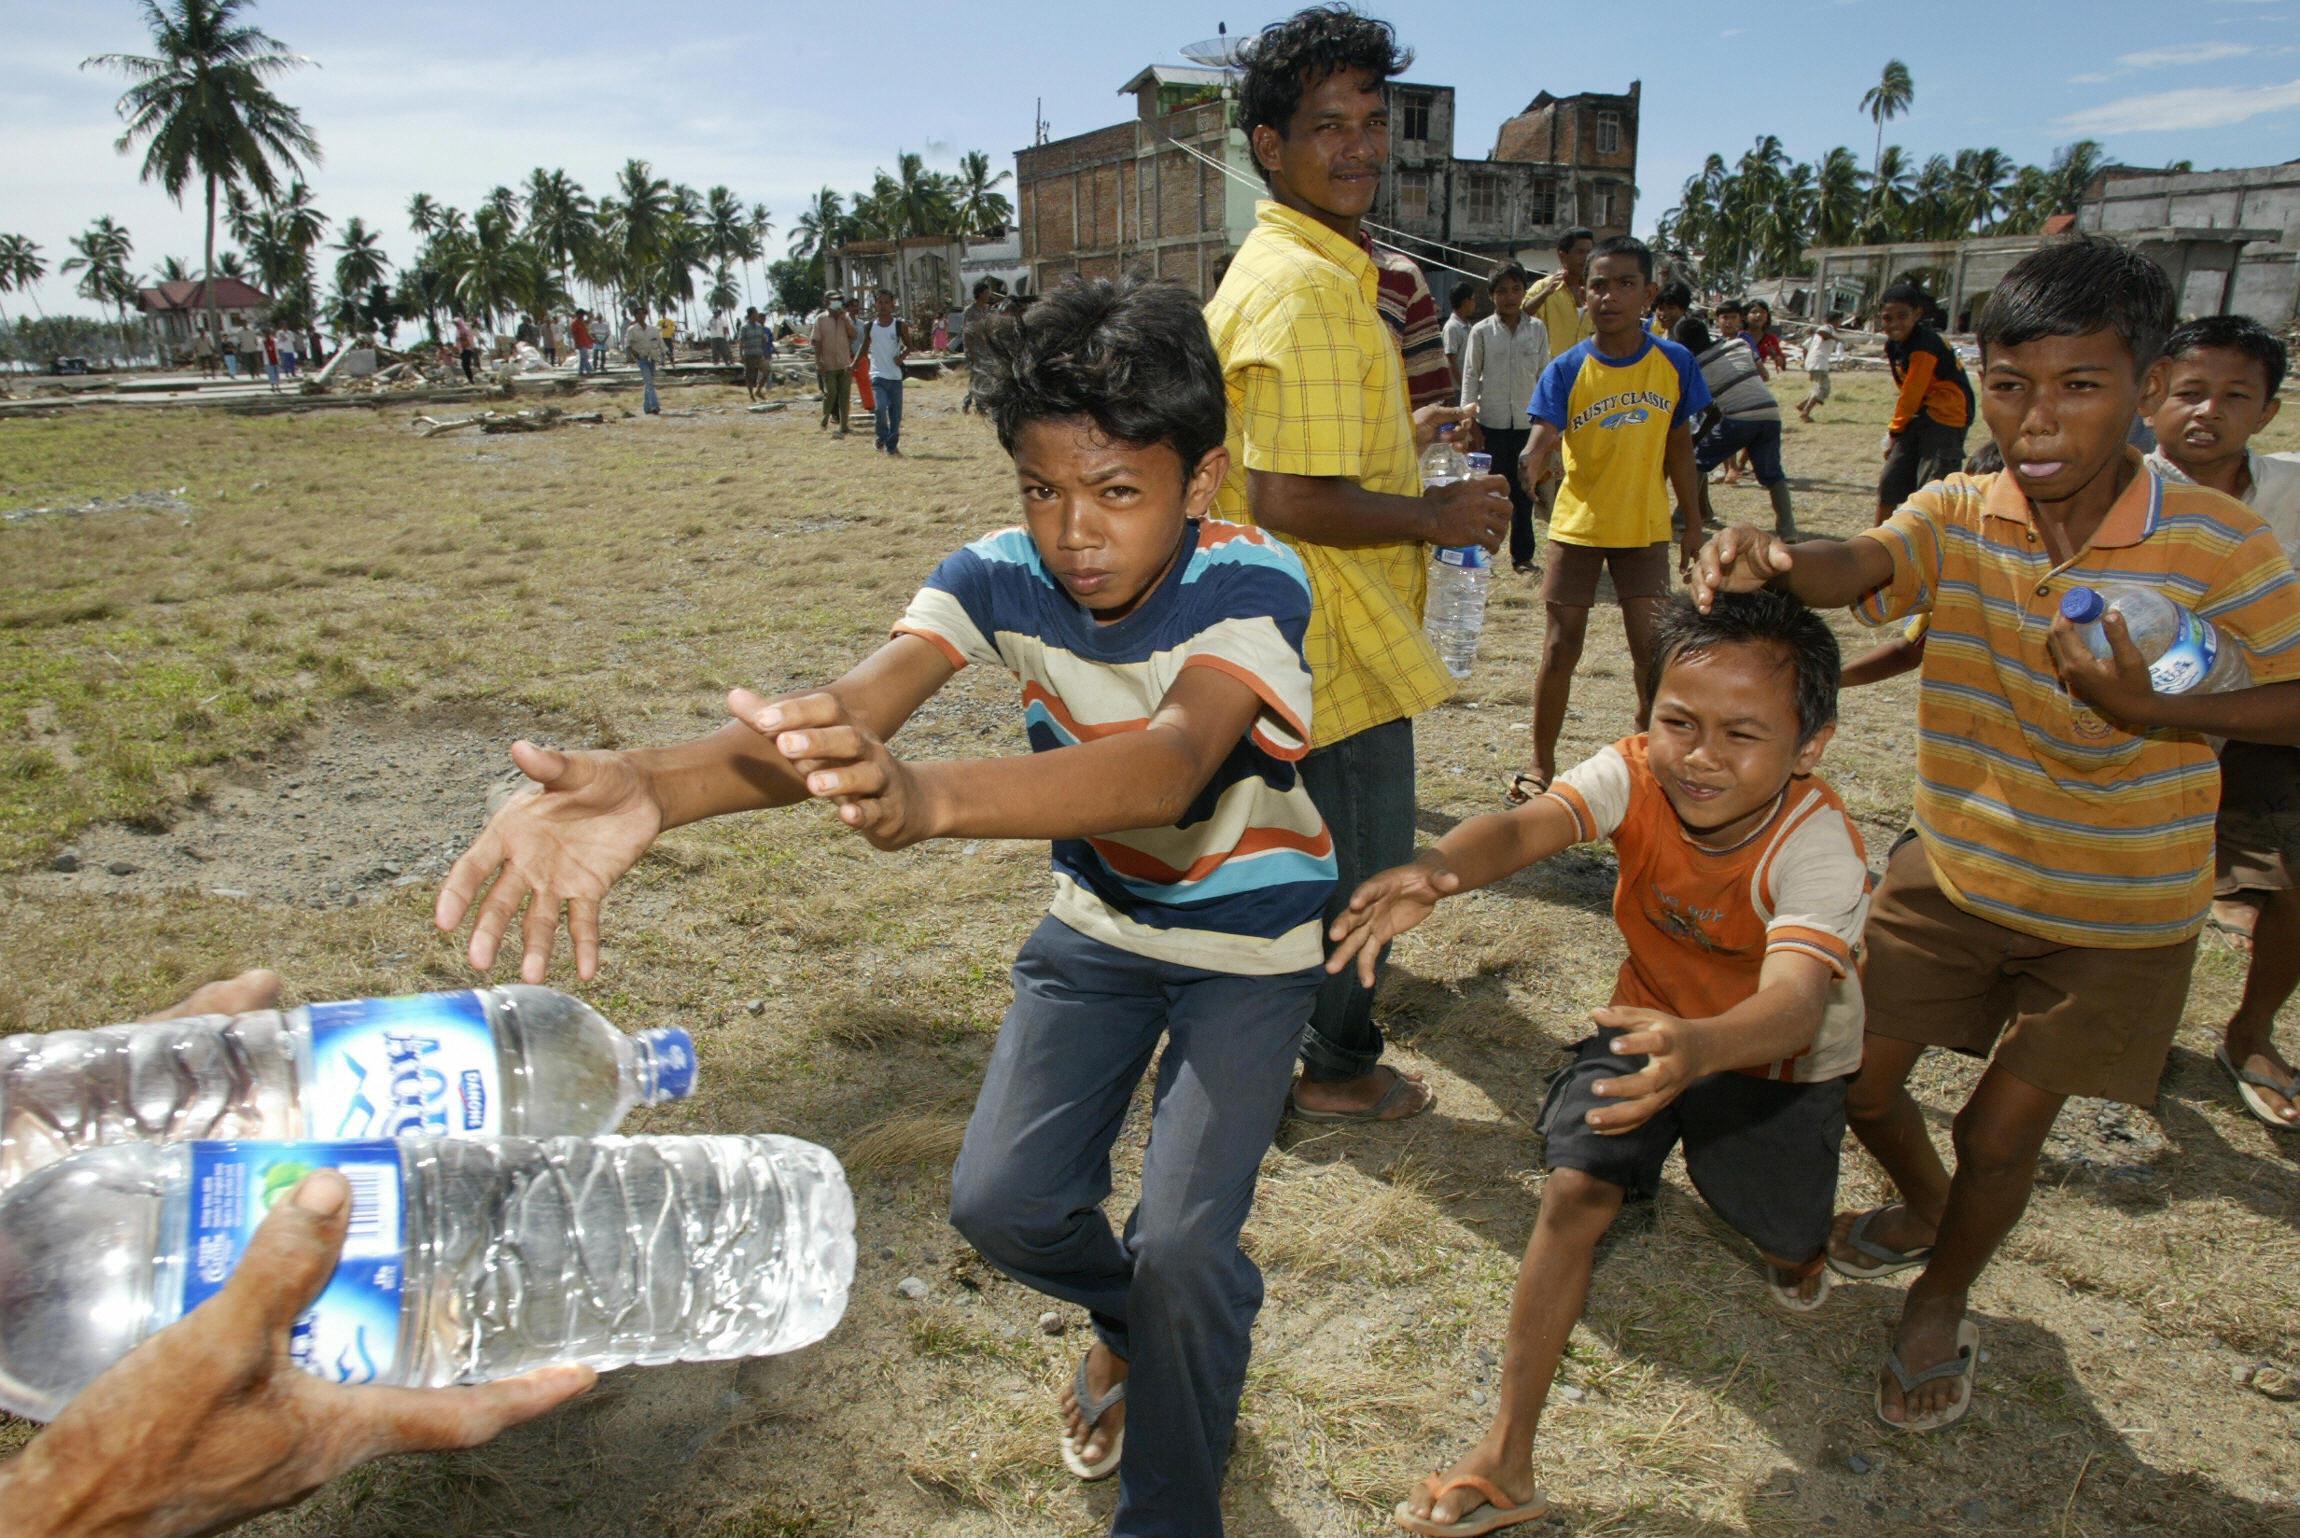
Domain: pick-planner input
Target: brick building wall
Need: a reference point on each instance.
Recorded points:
(1095, 203)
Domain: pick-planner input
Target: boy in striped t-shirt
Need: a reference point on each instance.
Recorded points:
(1736, 1017)
(1167, 703)
(2045, 912)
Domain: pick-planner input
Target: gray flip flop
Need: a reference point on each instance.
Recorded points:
(1092, 1410)
(1400, 1087)
(1959, 1367)
(1885, 1261)
(2247, 1082)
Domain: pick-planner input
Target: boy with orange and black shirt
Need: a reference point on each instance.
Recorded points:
(1735, 1021)
(1925, 440)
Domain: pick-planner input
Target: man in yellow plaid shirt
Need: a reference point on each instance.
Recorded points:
(1323, 452)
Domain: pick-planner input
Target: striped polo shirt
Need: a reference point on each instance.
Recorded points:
(2039, 813)
(1239, 883)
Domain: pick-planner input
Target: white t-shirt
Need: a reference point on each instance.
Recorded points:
(720, 329)
(2274, 494)
(885, 348)
(1820, 352)
(1457, 338)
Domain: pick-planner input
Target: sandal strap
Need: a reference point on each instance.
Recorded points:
(1858, 1237)
(1090, 1408)
(1956, 1366)
(1495, 1496)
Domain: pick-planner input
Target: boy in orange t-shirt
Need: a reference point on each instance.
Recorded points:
(1736, 1019)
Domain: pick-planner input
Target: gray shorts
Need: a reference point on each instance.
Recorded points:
(1817, 387)
(1763, 1154)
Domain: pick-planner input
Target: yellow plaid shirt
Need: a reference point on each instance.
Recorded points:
(1551, 303)
(1316, 388)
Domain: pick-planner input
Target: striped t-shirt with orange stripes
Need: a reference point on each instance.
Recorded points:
(1700, 921)
(2037, 812)
(1240, 883)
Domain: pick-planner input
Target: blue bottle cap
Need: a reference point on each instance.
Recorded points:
(670, 1052)
(2081, 606)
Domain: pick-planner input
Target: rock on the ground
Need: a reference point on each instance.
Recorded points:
(120, 868)
(911, 1287)
(67, 861)
(1051, 1323)
(1858, 1464)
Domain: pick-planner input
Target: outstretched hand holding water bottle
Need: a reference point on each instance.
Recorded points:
(210, 1422)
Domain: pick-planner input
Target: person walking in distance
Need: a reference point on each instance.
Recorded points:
(645, 345)
(467, 348)
(886, 342)
(834, 342)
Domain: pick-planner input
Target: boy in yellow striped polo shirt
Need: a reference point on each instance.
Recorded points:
(2044, 913)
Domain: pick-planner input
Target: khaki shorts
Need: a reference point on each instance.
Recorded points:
(1817, 390)
(2068, 1019)
(2257, 840)
(1640, 571)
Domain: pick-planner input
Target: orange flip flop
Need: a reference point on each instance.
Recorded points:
(1499, 1511)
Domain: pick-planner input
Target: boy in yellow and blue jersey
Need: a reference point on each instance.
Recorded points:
(1618, 405)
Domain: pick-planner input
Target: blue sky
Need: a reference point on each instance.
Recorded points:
(454, 98)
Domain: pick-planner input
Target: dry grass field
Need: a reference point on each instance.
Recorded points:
(265, 722)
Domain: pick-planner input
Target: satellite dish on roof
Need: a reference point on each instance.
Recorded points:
(1221, 51)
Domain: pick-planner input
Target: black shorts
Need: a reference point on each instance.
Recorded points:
(1763, 1154)
(1923, 453)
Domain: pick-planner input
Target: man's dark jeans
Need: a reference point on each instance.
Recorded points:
(1364, 786)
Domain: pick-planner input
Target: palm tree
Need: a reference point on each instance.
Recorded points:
(2073, 168)
(20, 266)
(505, 202)
(723, 221)
(361, 262)
(423, 214)
(559, 215)
(1887, 99)
(101, 258)
(723, 295)
(1889, 193)
(1836, 198)
(755, 249)
(203, 102)
(173, 269)
(817, 229)
(643, 208)
(1981, 178)
(980, 208)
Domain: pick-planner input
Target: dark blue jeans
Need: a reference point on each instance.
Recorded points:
(1364, 786)
(1175, 1298)
(886, 412)
(648, 402)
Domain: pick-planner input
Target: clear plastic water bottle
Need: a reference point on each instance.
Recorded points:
(1455, 614)
(482, 1062)
(2186, 652)
(465, 1260)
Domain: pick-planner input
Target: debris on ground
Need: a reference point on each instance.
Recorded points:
(135, 501)
(535, 419)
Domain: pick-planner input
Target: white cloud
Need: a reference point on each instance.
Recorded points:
(2183, 53)
(2089, 79)
(1732, 31)
(2164, 111)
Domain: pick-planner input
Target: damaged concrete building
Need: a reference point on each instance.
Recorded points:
(1173, 189)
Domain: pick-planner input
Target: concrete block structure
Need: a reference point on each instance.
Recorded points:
(1135, 195)
(2266, 280)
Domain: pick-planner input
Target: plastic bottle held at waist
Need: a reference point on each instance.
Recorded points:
(1458, 576)
(482, 1062)
(465, 1259)
(2187, 654)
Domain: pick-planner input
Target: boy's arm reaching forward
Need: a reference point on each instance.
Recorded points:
(1476, 853)
(587, 817)
(1824, 573)
(1135, 779)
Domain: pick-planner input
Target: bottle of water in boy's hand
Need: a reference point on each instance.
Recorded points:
(1455, 613)
(2187, 653)
(464, 1260)
(515, 1059)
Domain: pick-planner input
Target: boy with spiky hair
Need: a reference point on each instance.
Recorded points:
(1323, 453)
(2043, 915)
(1168, 706)
(2221, 378)
(1926, 437)
(1736, 1018)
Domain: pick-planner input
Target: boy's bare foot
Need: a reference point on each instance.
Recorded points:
(1364, 1096)
(1927, 1337)
(1807, 1283)
(1104, 1369)
(1484, 1461)
(1894, 1227)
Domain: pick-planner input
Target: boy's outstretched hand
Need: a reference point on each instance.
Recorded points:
(1384, 907)
(843, 762)
(561, 842)
(1738, 560)
(1672, 1062)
